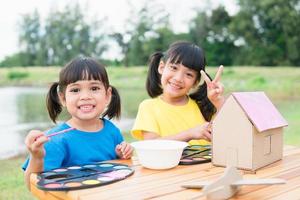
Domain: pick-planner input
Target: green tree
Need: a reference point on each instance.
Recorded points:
(123, 42)
(160, 40)
(269, 32)
(142, 27)
(13, 60)
(212, 34)
(67, 34)
(29, 39)
(149, 31)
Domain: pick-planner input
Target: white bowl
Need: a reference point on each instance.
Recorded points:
(159, 154)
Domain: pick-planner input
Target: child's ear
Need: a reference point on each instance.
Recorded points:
(161, 67)
(108, 96)
(62, 98)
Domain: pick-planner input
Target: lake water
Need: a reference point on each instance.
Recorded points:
(24, 109)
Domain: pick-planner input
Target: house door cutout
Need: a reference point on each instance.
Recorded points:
(231, 157)
(267, 144)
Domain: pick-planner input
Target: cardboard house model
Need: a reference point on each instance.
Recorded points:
(247, 132)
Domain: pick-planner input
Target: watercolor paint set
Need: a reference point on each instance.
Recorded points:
(196, 154)
(81, 177)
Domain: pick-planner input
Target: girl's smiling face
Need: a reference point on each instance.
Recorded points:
(176, 81)
(86, 99)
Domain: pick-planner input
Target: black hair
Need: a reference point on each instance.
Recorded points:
(81, 68)
(189, 55)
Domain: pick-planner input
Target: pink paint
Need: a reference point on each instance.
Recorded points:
(52, 185)
(119, 174)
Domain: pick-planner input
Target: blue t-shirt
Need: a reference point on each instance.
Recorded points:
(78, 147)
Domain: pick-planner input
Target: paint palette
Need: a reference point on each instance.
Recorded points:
(80, 177)
(196, 154)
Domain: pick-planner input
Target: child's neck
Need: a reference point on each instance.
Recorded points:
(86, 125)
(176, 101)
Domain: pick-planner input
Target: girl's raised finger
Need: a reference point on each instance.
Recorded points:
(219, 74)
(205, 77)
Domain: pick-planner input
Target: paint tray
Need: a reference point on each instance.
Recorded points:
(196, 154)
(81, 177)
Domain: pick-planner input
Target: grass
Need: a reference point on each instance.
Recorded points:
(40, 76)
(291, 113)
(12, 182)
(36, 76)
(281, 84)
(278, 82)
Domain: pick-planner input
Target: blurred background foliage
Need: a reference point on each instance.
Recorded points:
(261, 33)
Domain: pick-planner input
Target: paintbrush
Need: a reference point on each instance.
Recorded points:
(195, 153)
(61, 132)
(57, 133)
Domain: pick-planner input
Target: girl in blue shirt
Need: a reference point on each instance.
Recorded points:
(84, 90)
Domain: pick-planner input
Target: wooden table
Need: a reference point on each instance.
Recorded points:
(166, 184)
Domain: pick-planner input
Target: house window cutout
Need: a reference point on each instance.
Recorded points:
(267, 144)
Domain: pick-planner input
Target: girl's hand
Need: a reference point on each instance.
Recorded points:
(201, 132)
(34, 142)
(215, 88)
(124, 150)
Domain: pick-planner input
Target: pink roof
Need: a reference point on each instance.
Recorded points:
(260, 110)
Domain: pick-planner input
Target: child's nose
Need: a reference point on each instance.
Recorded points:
(178, 76)
(85, 95)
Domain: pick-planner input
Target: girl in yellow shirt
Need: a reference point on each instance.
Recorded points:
(184, 97)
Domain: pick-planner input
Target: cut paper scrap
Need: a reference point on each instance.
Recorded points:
(228, 184)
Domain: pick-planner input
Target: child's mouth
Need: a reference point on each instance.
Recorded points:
(174, 86)
(86, 108)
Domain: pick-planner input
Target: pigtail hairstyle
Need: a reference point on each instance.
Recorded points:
(153, 78)
(53, 103)
(204, 104)
(114, 107)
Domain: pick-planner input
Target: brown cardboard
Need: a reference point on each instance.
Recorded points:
(236, 141)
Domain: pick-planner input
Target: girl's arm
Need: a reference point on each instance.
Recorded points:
(35, 165)
(198, 132)
(35, 144)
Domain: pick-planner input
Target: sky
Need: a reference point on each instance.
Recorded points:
(115, 13)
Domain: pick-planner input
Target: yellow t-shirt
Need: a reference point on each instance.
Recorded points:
(155, 115)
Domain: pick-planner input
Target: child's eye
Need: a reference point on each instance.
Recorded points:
(190, 75)
(173, 67)
(74, 90)
(95, 88)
